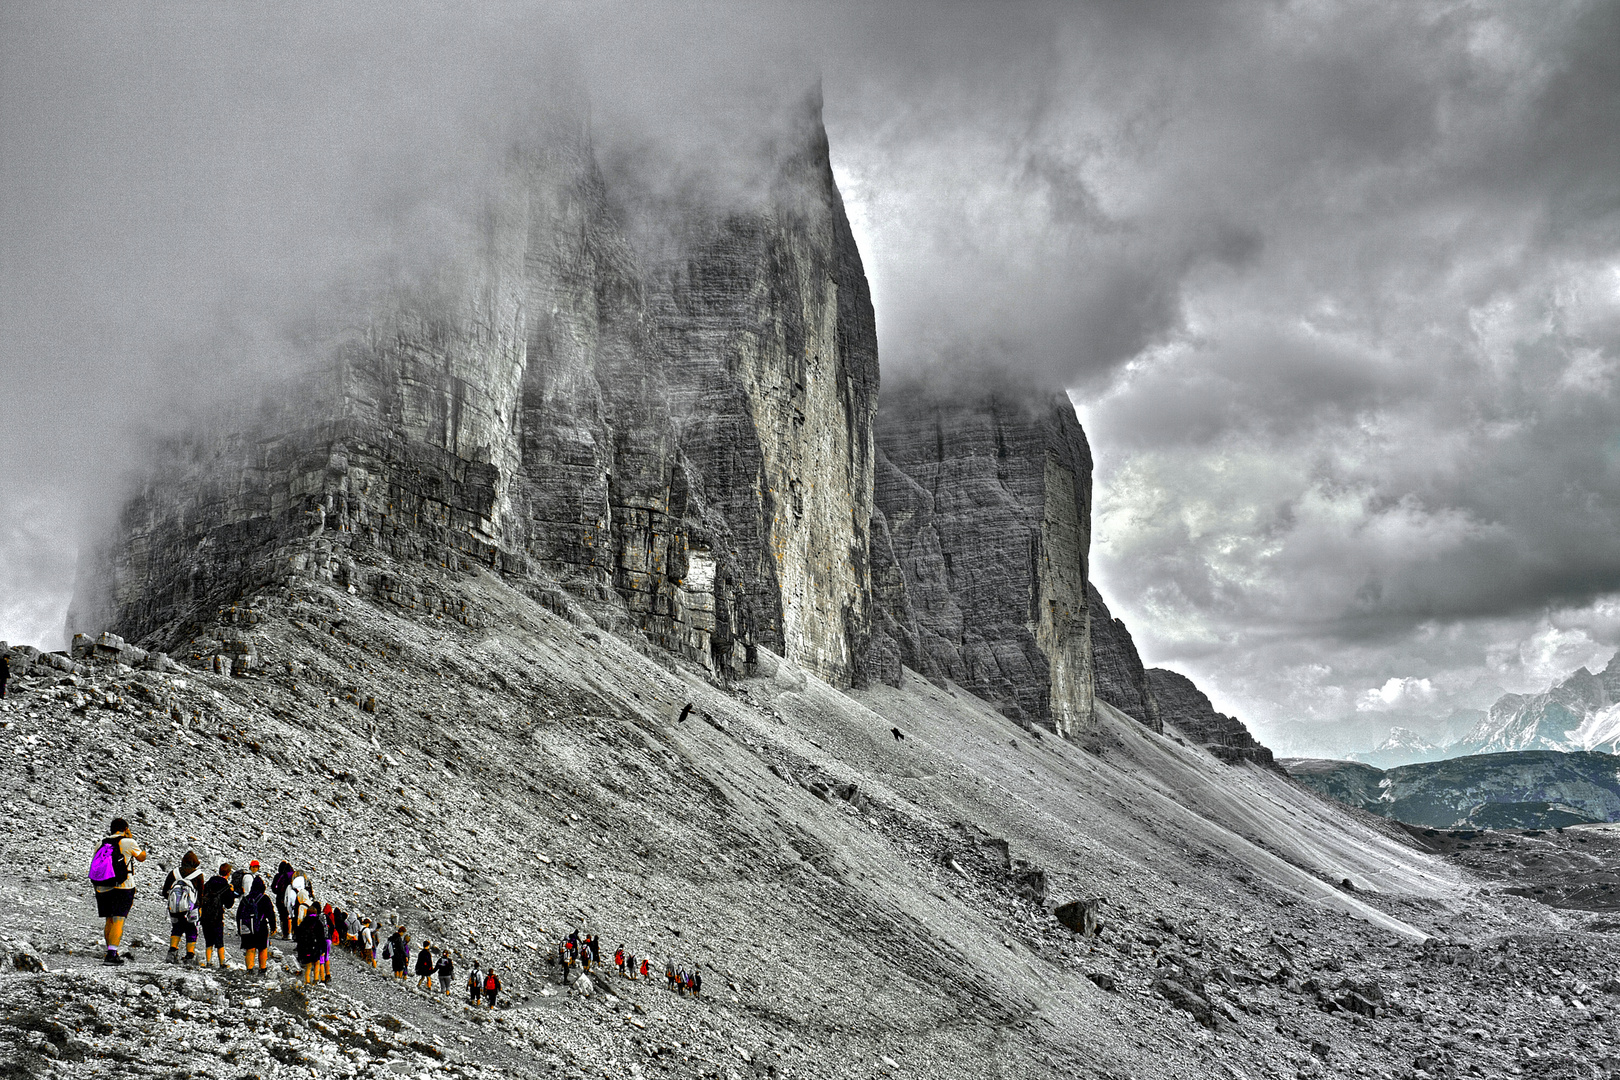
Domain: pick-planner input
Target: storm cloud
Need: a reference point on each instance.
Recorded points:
(1335, 287)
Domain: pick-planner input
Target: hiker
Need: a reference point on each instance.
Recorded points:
(567, 958)
(669, 972)
(899, 736)
(618, 958)
(368, 942)
(424, 966)
(278, 890)
(300, 896)
(398, 950)
(492, 987)
(113, 876)
(323, 969)
(595, 943)
(5, 672)
(445, 969)
(697, 981)
(217, 898)
(255, 921)
(239, 878)
(629, 968)
(309, 937)
(475, 986)
(644, 967)
(182, 888)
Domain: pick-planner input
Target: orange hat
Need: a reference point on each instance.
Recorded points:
(253, 865)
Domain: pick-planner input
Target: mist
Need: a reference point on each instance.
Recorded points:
(1336, 289)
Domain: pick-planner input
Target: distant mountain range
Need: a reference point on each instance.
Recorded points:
(1581, 713)
(1536, 789)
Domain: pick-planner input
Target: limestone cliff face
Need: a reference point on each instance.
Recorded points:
(1187, 709)
(686, 439)
(980, 548)
(980, 543)
(1119, 676)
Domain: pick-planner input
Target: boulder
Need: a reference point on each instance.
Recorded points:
(1187, 1000)
(1082, 916)
(27, 958)
(1029, 881)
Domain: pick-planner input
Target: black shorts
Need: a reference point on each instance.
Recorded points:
(213, 933)
(180, 926)
(114, 903)
(256, 941)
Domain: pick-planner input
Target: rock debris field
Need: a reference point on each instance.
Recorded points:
(860, 905)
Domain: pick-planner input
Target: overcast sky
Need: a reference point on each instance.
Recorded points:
(1335, 287)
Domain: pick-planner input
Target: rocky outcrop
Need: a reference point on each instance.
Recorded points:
(1118, 675)
(680, 436)
(1187, 709)
(980, 549)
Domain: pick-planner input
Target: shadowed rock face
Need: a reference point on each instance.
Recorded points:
(1119, 676)
(980, 548)
(684, 437)
(1186, 708)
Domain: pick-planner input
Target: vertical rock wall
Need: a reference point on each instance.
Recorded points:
(771, 346)
(981, 544)
(1119, 676)
(689, 441)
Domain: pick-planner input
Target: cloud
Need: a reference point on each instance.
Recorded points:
(1396, 694)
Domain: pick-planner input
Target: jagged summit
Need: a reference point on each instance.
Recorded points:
(1580, 713)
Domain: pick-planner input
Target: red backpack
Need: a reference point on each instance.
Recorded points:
(491, 982)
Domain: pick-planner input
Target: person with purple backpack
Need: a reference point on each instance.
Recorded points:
(112, 873)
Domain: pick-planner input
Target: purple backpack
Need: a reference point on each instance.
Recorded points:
(107, 868)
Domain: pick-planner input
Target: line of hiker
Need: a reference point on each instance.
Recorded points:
(198, 904)
(586, 951)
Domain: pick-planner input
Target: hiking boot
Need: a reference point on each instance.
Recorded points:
(113, 960)
(173, 957)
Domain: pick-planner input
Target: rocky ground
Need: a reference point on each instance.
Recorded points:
(493, 773)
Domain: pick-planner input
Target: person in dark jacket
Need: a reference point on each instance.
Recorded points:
(475, 986)
(445, 969)
(218, 897)
(310, 938)
(323, 969)
(399, 952)
(424, 966)
(255, 921)
(278, 887)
